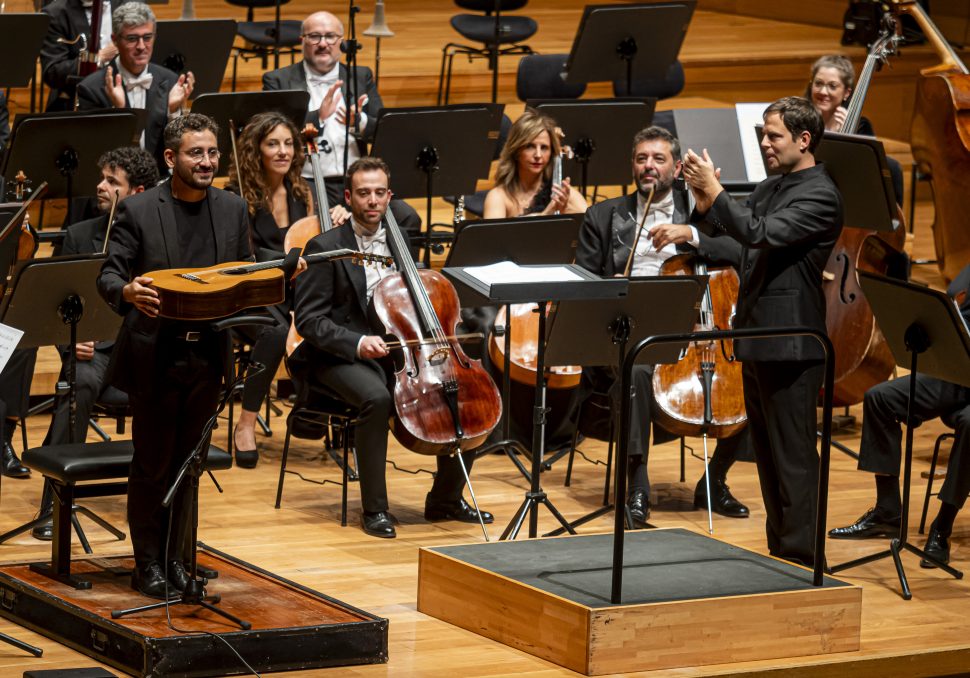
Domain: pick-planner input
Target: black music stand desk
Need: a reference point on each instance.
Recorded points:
(540, 289)
(925, 332)
(23, 35)
(198, 45)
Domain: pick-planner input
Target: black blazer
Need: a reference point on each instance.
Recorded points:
(145, 238)
(294, 77)
(787, 229)
(91, 96)
(331, 303)
(608, 229)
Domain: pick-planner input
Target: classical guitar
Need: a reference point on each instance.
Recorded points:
(220, 291)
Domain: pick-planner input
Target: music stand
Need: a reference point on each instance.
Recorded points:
(23, 35)
(529, 241)
(925, 331)
(55, 301)
(857, 165)
(584, 285)
(716, 129)
(449, 145)
(63, 148)
(599, 131)
(628, 42)
(652, 306)
(234, 109)
(198, 45)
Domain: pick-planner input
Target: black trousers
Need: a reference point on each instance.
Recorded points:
(363, 384)
(780, 399)
(90, 375)
(268, 350)
(166, 427)
(884, 408)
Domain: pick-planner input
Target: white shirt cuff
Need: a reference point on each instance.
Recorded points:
(695, 239)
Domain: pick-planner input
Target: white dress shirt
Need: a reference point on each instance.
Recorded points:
(372, 244)
(647, 260)
(105, 39)
(331, 139)
(136, 87)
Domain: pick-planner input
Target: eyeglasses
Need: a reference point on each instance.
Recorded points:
(135, 39)
(315, 38)
(197, 154)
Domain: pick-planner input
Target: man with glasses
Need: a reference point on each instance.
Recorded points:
(171, 370)
(130, 81)
(327, 80)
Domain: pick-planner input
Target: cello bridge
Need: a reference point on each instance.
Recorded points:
(439, 355)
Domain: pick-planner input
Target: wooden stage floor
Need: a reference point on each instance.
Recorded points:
(304, 542)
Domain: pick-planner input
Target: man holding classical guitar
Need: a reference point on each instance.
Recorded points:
(171, 370)
(342, 347)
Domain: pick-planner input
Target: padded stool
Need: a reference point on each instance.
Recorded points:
(309, 419)
(64, 466)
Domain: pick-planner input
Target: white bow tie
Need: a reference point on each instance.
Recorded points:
(321, 80)
(368, 240)
(143, 81)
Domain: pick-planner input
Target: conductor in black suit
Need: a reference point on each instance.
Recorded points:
(131, 81)
(785, 233)
(328, 82)
(341, 350)
(171, 370)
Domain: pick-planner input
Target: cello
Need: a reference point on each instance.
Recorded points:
(940, 141)
(444, 401)
(862, 356)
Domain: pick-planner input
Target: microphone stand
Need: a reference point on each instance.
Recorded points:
(350, 48)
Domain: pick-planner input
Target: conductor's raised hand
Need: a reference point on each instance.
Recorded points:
(372, 347)
(703, 178)
(141, 296)
(114, 88)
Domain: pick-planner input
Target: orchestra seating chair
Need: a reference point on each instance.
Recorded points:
(313, 413)
(482, 28)
(265, 38)
(539, 77)
(946, 419)
(666, 87)
(84, 470)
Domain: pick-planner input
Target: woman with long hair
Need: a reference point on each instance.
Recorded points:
(523, 180)
(267, 175)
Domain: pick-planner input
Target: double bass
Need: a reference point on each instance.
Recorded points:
(862, 356)
(444, 401)
(940, 141)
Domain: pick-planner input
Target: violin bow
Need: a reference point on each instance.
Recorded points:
(636, 239)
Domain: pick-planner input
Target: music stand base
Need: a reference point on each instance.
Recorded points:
(50, 572)
(531, 503)
(510, 448)
(598, 513)
(895, 551)
(194, 594)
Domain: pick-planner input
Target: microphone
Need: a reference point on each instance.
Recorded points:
(350, 46)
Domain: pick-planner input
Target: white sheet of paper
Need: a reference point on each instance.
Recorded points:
(749, 116)
(9, 338)
(510, 272)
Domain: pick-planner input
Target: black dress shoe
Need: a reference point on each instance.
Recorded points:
(639, 505)
(178, 575)
(723, 502)
(380, 524)
(150, 581)
(937, 547)
(44, 532)
(873, 523)
(459, 510)
(10, 463)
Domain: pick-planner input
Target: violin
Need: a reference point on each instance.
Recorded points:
(307, 228)
(28, 241)
(220, 291)
(862, 356)
(940, 140)
(444, 401)
(702, 393)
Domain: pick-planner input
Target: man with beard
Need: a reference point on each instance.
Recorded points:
(171, 370)
(125, 172)
(608, 232)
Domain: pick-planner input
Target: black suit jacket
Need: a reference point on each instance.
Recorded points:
(58, 60)
(331, 303)
(91, 96)
(609, 227)
(294, 77)
(145, 238)
(787, 229)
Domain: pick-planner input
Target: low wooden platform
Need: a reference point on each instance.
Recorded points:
(292, 626)
(688, 600)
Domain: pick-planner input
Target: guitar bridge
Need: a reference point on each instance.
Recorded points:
(192, 277)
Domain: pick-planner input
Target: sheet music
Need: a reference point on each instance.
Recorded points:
(750, 115)
(510, 272)
(9, 338)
